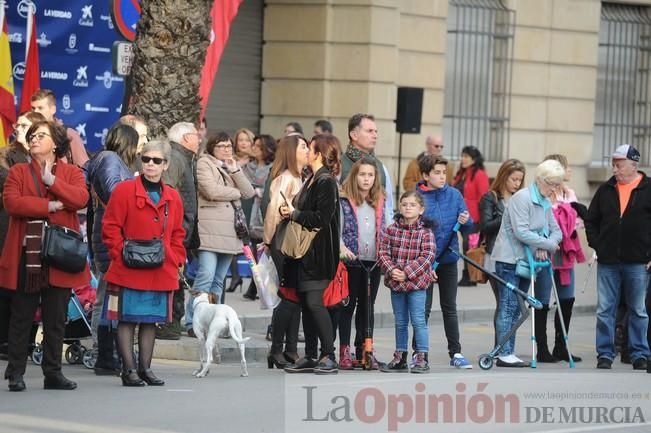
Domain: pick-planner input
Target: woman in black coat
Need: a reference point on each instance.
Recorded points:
(317, 206)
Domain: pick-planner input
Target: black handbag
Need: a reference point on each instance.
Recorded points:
(145, 254)
(62, 248)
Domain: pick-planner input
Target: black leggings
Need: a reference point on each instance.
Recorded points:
(284, 324)
(357, 304)
(316, 322)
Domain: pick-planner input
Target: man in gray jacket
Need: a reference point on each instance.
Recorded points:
(182, 176)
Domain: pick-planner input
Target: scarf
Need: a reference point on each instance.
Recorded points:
(35, 273)
(355, 154)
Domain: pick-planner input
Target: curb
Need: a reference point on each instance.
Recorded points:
(257, 348)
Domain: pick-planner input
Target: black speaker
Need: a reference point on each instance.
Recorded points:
(410, 110)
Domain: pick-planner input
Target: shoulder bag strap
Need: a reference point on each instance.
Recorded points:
(38, 185)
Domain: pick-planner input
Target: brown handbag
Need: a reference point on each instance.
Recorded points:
(296, 240)
(477, 255)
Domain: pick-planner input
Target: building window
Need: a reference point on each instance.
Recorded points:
(622, 111)
(479, 61)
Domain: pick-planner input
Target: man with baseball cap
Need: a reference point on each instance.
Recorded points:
(618, 227)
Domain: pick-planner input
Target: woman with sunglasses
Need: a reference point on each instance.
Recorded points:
(17, 151)
(220, 186)
(45, 190)
(144, 209)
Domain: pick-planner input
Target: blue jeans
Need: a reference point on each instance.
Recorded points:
(564, 291)
(210, 278)
(631, 280)
(542, 287)
(406, 306)
(508, 307)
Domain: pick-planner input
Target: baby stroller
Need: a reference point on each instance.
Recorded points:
(77, 328)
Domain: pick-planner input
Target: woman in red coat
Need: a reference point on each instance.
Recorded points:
(143, 208)
(472, 181)
(44, 190)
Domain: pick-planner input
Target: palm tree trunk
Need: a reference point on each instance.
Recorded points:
(170, 49)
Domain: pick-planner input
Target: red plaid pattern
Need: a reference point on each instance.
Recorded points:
(410, 248)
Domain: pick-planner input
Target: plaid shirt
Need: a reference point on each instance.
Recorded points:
(410, 248)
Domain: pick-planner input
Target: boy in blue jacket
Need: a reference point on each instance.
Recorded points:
(444, 206)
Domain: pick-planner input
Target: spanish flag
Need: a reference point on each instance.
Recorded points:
(7, 107)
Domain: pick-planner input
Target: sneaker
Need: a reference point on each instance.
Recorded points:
(639, 364)
(397, 365)
(421, 365)
(326, 365)
(604, 364)
(458, 361)
(303, 365)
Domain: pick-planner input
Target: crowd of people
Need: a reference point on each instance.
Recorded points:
(180, 208)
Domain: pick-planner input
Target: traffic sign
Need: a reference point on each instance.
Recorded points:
(125, 15)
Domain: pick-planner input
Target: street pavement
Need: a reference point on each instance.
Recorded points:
(270, 400)
(550, 398)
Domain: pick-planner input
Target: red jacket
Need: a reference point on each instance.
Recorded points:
(473, 190)
(130, 214)
(22, 202)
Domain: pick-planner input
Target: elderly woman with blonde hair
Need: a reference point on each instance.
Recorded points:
(528, 230)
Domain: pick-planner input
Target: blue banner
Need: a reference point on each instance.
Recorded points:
(75, 39)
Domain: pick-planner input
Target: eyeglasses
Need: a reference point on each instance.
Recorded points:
(21, 125)
(155, 160)
(552, 185)
(409, 205)
(223, 146)
(38, 137)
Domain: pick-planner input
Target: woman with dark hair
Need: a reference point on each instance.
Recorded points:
(105, 171)
(509, 180)
(284, 180)
(257, 171)
(472, 181)
(317, 207)
(221, 185)
(145, 209)
(45, 190)
(17, 151)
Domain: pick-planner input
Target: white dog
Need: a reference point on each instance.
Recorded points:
(208, 322)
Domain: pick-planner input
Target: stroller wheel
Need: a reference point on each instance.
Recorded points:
(89, 359)
(74, 354)
(485, 361)
(37, 355)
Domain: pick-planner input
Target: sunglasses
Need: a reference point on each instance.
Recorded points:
(155, 160)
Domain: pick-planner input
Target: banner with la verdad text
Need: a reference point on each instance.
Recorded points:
(74, 39)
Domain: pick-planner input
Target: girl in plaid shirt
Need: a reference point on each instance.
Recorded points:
(407, 253)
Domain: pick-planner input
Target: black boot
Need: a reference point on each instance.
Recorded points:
(252, 292)
(540, 327)
(105, 364)
(560, 351)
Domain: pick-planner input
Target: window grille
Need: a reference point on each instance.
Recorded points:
(622, 110)
(478, 77)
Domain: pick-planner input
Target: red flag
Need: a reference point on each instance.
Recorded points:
(223, 12)
(32, 80)
(7, 106)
